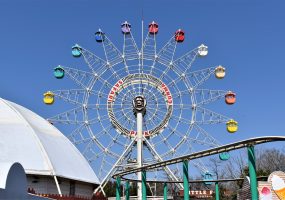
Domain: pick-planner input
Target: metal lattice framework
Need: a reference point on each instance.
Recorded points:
(103, 114)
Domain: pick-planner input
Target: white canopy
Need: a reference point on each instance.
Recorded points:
(42, 149)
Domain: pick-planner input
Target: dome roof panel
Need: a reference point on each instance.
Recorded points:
(41, 148)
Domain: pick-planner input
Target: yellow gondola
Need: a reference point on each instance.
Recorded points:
(48, 98)
(220, 72)
(232, 126)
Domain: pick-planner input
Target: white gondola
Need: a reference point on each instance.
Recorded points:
(202, 50)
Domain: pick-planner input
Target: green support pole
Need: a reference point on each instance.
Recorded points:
(217, 194)
(165, 191)
(127, 190)
(186, 180)
(118, 185)
(252, 172)
(143, 185)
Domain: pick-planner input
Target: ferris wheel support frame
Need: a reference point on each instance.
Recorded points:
(139, 151)
(110, 174)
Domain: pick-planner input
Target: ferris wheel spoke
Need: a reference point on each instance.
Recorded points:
(157, 156)
(69, 117)
(130, 49)
(103, 166)
(205, 96)
(205, 116)
(73, 96)
(175, 81)
(103, 132)
(130, 93)
(114, 167)
(112, 54)
(99, 94)
(182, 136)
(96, 140)
(157, 117)
(200, 76)
(158, 110)
(165, 141)
(81, 78)
(107, 151)
(128, 121)
(199, 165)
(205, 137)
(95, 63)
(87, 147)
(73, 136)
(122, 116)
(166, 54)
(180, 119)
(104, 82)
(149, 47)
(185, 62)
(181, 93)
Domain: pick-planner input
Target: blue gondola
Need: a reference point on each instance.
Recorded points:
(76, 50)
(99, 36)
(208, 177)
(58, 72)
(224, 156)
(126, 27)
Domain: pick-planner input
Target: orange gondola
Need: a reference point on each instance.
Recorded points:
(230, 98)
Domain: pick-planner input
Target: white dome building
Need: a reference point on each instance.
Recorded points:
(52, 163)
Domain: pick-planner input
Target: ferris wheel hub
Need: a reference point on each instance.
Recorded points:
(139, 105)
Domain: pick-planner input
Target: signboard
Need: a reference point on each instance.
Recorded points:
(199, 194)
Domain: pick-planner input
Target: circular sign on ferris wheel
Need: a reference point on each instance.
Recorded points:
(119, 96)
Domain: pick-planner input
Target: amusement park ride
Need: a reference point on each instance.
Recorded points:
(141, 98)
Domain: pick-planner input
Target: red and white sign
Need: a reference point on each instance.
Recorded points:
(167, 94)
(114, 89)
(134, 133)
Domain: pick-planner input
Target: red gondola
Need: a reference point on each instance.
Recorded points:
(153, 28)
(179, 35)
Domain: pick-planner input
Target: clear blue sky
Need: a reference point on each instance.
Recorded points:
(246, 36)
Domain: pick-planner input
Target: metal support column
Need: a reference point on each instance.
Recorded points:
(217, 193)
(143, 185)
(118, 188)
(252, 172)
(57, 186)
(127, 190)
(165, 191)
(139, 105)
(139, 152)
(186, 180)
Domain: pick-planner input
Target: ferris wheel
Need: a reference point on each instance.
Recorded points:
(137, 105)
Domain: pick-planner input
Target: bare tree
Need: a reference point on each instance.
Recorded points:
(269, 160)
